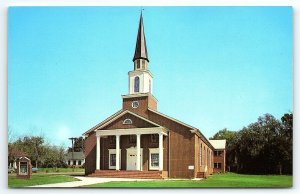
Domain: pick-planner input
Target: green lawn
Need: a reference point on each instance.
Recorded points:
(215, 181)
(38, 179)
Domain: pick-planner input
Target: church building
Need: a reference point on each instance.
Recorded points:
(138, 141)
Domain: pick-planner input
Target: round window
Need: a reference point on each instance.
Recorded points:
(135, 104)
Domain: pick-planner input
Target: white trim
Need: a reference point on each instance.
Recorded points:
(133, 150)
(138, 152)
(20, 173)
(97, 153)
(138, 95)
(153, 151)
(113, 151)
(140, 71)
(161, 152)
(118, 158)
(132, 131)
(175, 120)
(123, 113)
(136, 101)
(219, 165)
(105, 120)
(127, 122)
(24, 157)
(194, 130)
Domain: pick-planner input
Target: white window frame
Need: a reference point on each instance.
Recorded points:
(137, 104)
(219, 165)
(113, 151)
(20, 172)
(127, 120)
(153, 151)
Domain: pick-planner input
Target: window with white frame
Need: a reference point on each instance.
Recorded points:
(217, 165)
(23, 166)
(218, 153)
(153, 159)
(135, 104)
(127, 122)
(137, 84)
(113, 159)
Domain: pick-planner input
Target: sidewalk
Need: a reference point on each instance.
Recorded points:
(86, 181)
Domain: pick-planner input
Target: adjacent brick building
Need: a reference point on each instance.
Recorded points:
(138, 141)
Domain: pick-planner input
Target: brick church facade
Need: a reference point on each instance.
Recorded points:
(138, 141)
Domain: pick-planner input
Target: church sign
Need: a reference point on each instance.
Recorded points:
(24, 168)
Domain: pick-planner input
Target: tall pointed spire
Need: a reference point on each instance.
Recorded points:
(141, 47)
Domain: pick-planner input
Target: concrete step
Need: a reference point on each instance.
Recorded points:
(201, 175)
(127, 174)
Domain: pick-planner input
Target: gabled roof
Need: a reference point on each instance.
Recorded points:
(193, 129)
(141, 47)
(115, 117)
(105, 120)
(218, 144)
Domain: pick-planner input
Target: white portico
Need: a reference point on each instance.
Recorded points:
(133, 131)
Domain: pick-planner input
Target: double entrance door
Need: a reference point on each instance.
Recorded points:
(131, 159)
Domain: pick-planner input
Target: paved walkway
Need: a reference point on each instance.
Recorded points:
(87, 181)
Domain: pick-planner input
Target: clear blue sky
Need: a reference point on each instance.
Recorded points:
(213, 67)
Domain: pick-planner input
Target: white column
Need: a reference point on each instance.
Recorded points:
(98, 153)
(161, 156)
(138, 152)
(117, 152)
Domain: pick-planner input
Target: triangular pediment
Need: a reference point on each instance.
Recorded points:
(127, 120)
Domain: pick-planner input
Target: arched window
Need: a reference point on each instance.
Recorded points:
(149, 86)
(127, 121)
(136, 84)
(200, 160)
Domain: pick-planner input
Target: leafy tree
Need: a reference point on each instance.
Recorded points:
(40, 153)
(78, 145)
(230, 137)
(263, 147)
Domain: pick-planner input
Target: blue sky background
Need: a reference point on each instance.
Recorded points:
(213, 67)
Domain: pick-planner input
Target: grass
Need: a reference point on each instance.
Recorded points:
(228, 180)
(38, 179)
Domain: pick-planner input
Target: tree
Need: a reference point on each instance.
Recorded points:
(230, 137)
(40, 153)
(263, 147)
(77, 143)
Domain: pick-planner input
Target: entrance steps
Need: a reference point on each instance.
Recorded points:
(201, 175)
(134, 174)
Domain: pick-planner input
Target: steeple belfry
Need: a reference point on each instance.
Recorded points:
(140, 57)
(140, 79)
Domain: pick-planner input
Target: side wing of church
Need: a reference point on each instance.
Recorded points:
(140, 142)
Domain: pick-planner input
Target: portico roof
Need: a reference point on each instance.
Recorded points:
(133, 131)
(115, 117)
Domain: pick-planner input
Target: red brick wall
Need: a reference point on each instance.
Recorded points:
(145, 102)
(220, 159)
(90, 153)
(136, 123)
(143, 105)
(124, 144)
(184, 145)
